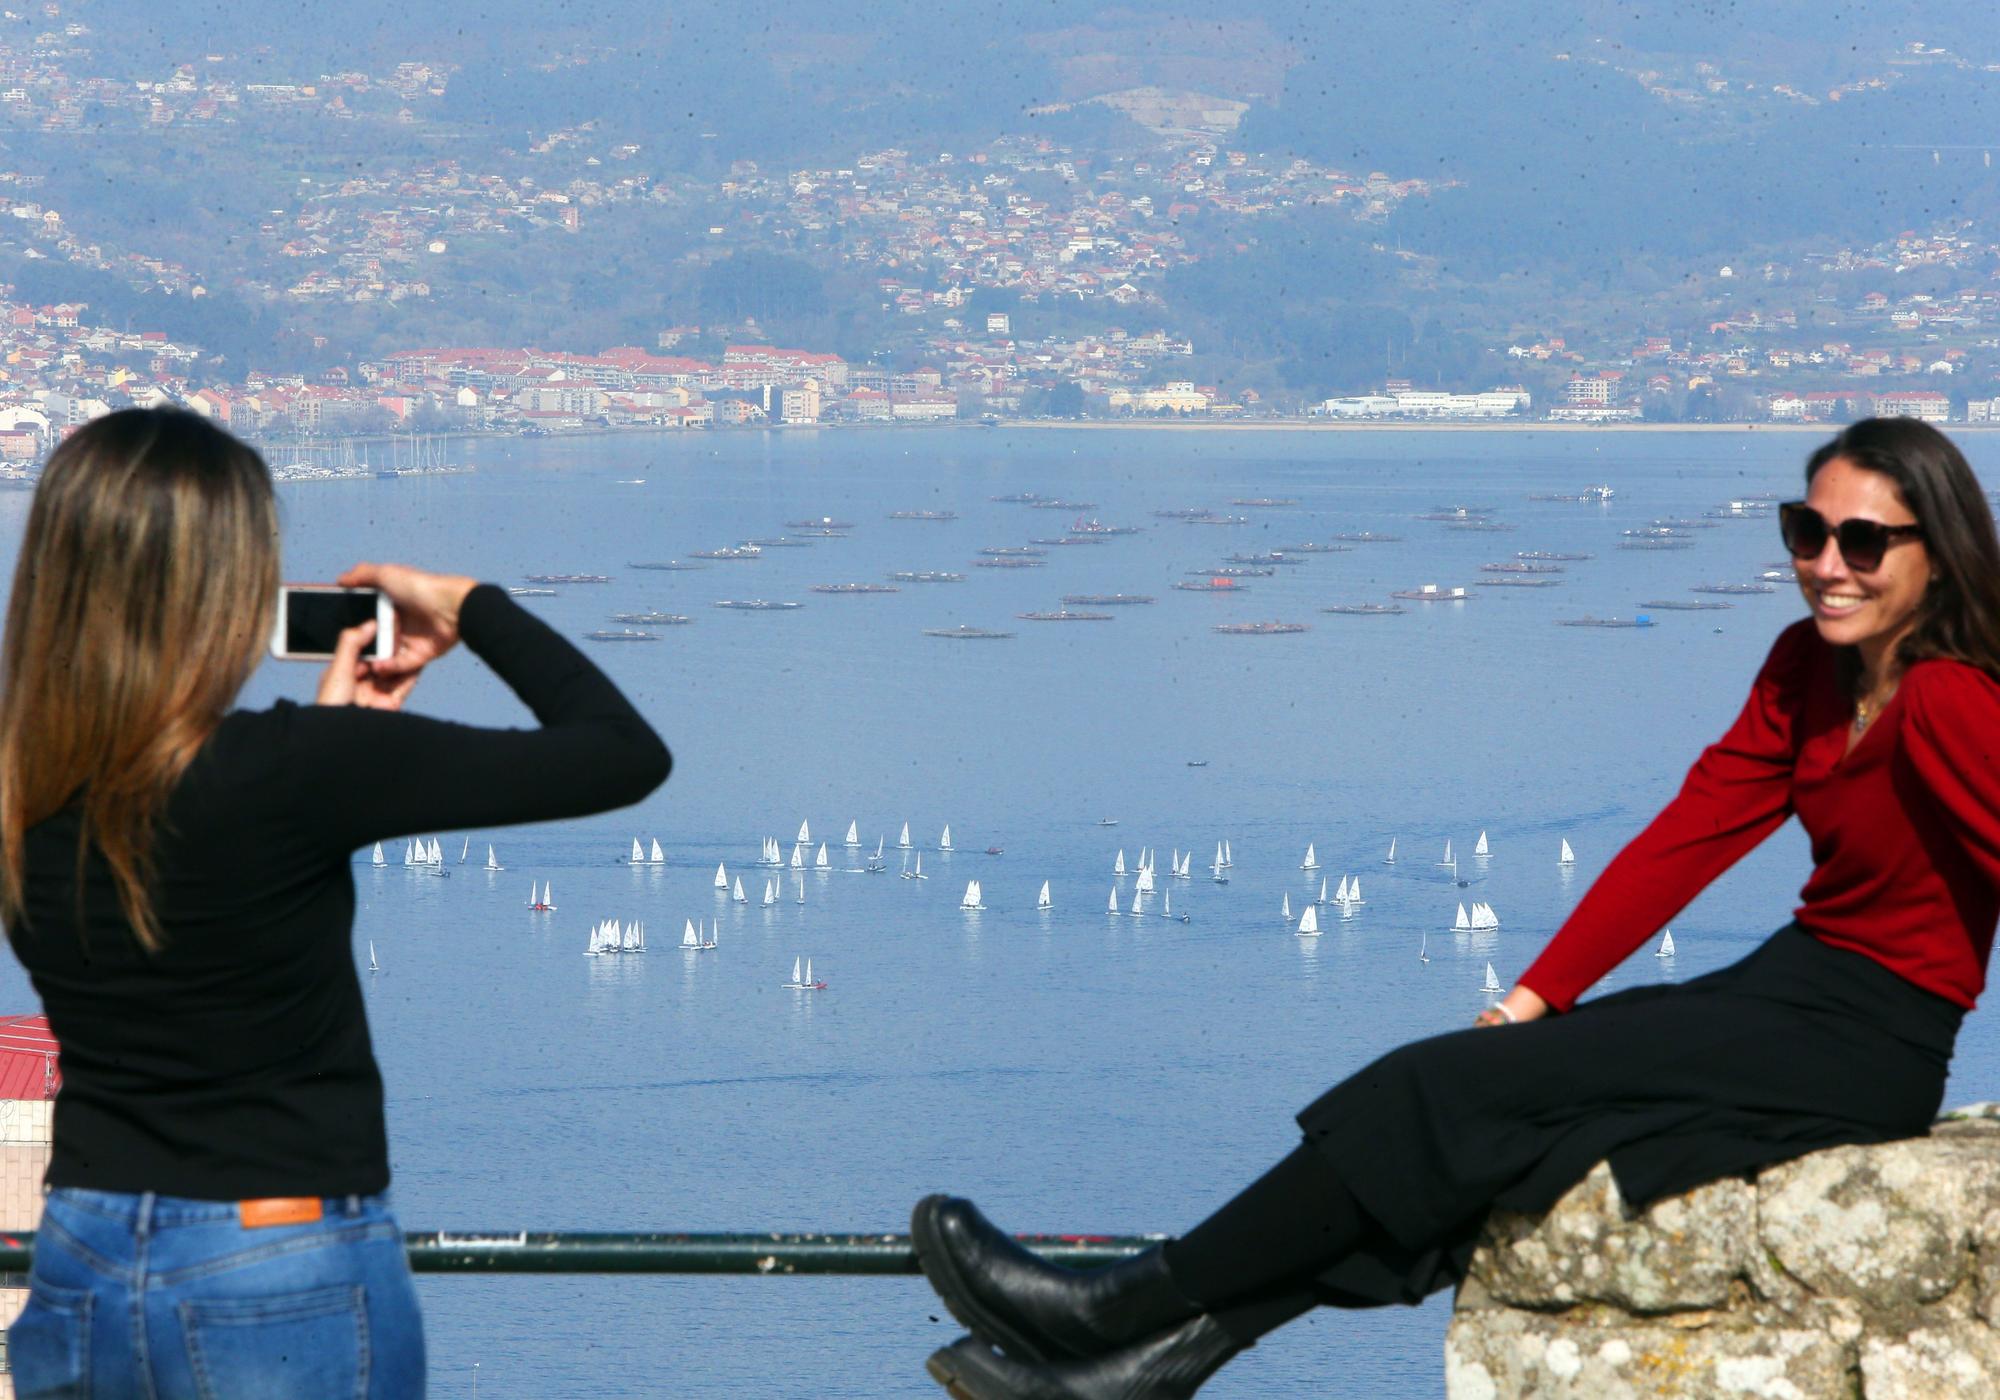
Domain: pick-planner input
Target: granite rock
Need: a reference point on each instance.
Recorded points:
(1496, 1354)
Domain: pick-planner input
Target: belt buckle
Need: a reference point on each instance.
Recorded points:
(279, 1210)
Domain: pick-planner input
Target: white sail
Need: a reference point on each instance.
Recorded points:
(1568, 857)
(1446, 859)
(549, 895)
(1423, 945)
(944, 841)
(659, 857)
(809, 974)
(1311, 862)
(714, 932)
(1492, 984)
(1187, 860)
(463, 849)
(805, 834)
(1309, 921)
(798, 973)
(737, 894)
(1228, 859)
(1322, 891)
(378, 854)
(437, 852)
(1219, 861)
(1042, 900)
(373, 966)
(721, 877)
(903, 841)
(1480, 848)
(492, 860)
(853, 834)
(1118, 866)
(820, 862)
(971, 900)
(1285, 910)
(920, 867)
(1144, 884)
(1354, 891)
(798, 858)
(1113, 907)
(1461, 924)
(688, 938)
(1340, 894)
(1167, 906)
(1666, 945)
(880, 841)
(770, 893)
(409, 853)
(1390, 859)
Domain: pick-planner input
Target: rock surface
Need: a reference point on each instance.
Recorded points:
(1858, 1271)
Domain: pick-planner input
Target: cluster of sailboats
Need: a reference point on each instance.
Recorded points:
(421, 855)
(610, 936)
(642, 856)
(1481, 920)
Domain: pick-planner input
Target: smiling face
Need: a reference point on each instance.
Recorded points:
(1873, 610)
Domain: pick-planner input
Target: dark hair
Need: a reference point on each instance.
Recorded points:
(1959, 618)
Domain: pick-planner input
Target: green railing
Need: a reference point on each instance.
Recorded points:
(576, 1252)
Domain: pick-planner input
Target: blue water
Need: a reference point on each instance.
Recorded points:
(1069, 1071)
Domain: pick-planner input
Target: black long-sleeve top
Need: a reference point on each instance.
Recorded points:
(235, 1063)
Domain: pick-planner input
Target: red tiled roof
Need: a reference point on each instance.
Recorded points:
(29, 1067)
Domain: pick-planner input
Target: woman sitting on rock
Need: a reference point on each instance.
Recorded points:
(1877, 721)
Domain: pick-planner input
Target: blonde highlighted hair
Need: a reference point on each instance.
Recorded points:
(142, 597)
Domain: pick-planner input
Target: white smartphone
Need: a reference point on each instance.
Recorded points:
(311, 617)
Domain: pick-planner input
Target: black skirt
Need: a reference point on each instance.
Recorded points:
(1797, 1047)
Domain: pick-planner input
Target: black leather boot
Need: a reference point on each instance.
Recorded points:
(1031, 1309)
(1169, 1366)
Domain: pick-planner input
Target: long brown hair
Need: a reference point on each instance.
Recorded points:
(1959, 617)
(143, 593)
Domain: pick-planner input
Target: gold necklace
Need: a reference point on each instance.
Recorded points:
(1866, 708)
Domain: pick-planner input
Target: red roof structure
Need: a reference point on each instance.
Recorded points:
(30, 1066)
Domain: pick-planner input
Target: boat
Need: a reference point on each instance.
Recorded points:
(1144, 884)
(373, 966)
(708, 938)
(737, 893)
(1042, 900)
(1554, 556)
(568, 578)
(378, 854)
(1461, 924)
(798, 857)
(771, 854)
(770, 893)
(531, 593)
(734, 552)
(1446, 858)
(467, 846)
(1118, 865)
(409, 853)
(939, 515)
(1285, 909)
(846, 588)
(757, 605)
(721, 877)
(1733, 588)
(653, 619)
(1522, 566)
(1211, 585)
(1113, 907)
(926, 576)
(1167, 908)
(1184, 871)
(1517, 583)
(824, 522)
(903, 841)
(1666, 945)
(634, 939)
(1479, 847)
(1686, 605)
(1390, 859)
(820, 862)
(1007, 562)
(638, 856)
(1491, 986)
(668, 566)
(1588, 621)
(853, 834)
(966, 633)
(1322, 891)
(1353, 899)
(493, 861)
(1197, 763)
(689, 939)
(918, 874)
(1315, 547)
(1064, 615)
(1368, 537)
(545, 902)
(804, 837)
(1423, 946)
(944, 841)
(621, 634)
(1568, 857)
(1366, 609)
(973, 902)
(1105, 600)
(875, 862)
(1107, 821)
(996, 850)
(1431, 593)
(804, 981)
(437, 852)
(1309, 922)
(1484, 920)
(1228, 859)
(1311, 862)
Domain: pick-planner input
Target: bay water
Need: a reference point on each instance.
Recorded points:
(1070, 1071)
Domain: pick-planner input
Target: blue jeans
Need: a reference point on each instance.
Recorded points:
(165, 1298)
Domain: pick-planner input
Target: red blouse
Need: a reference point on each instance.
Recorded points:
(1905, 829)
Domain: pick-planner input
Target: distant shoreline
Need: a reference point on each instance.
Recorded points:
(1457, 426)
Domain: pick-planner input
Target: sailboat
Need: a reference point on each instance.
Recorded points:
(1042, 900)
(1491, 986)
(437, 852)
(1390, 859)
(919, 872)
(944, 841)
(803, 981)
(463, 849)
(634, 940)
(1666, 945)
(1568, 857)
(1113, 907)
(409, 853)
(1216, 874)
(853, 835)
(972, 902)
(1309, 922)
(820, 862)
(903, 841)
(1118, 866)
(1354, 899)
(1183, 871)
(1322, 891)
(1144, 884)
(373, 966)
(493, 861)
(659, 857)
(1461, 924)
(1227, 858)
(689, 940)
(1311, 862)
(543, 903)
(1167, 909)
(1480, 848)
(1339, 895)
(1285, 910)
(771, 855)
(378, 854)
(708, 939)
(737, 894)
(770, 893)
(799, 893)
(1446, 859)
(721, 877)
(805, 834)
(798, 858)
(1423, 943)
(1484, 920)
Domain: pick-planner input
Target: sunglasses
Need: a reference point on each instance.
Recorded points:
(1862, 542)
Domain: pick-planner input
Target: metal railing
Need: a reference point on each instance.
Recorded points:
(578, 1252)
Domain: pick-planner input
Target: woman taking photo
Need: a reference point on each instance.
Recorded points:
(1876, 721)
(175, 876)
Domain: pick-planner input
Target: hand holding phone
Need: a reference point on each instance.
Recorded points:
(426, 607)
(312, 616)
